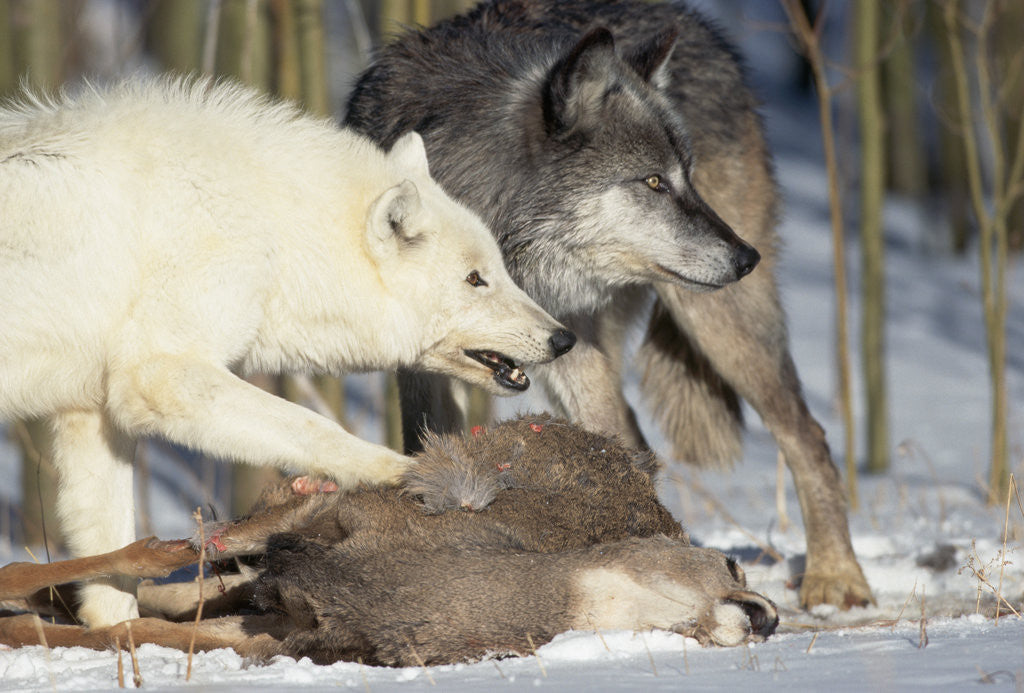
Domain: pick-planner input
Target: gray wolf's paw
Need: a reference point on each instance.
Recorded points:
(844, 589)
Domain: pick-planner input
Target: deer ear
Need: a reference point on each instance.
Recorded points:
(651, 58)
(391, 223)
(409, 154)
(577, 83)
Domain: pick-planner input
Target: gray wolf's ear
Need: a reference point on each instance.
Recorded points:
(577, 83)
(389, 224)
(650, 59)
(409, 154)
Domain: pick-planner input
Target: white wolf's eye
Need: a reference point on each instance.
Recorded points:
(654, 183)
(474, 279)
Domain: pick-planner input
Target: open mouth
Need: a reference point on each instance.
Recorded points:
(506, 372)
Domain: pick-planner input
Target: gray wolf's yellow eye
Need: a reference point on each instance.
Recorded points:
(474, 279)
(654, 183)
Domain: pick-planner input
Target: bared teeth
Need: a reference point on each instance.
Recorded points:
(516, 375)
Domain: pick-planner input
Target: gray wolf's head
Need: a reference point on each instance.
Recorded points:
(609, 197)
(444, 269)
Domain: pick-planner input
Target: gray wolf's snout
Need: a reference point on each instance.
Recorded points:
(745, 260)
(561, 342)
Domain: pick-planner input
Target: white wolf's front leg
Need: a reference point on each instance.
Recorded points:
(96, 506)
(206, 407)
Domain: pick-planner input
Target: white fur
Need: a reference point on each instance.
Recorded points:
(157, 237)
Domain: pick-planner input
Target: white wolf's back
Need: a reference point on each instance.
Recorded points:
(110, 198)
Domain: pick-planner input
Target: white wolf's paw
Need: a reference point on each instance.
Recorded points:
(844, 589)
(391, 470)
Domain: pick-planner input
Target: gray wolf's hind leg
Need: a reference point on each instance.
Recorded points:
(701, 411)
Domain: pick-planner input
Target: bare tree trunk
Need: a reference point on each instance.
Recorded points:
(809, 36)
(906, 165)
(872, 147)
(309, 22)
(8, 73)
(287, 74)
(175, 34)
(37, 38)
(1008, 54)
(243, 42)
(952, 173)
(1007, 187)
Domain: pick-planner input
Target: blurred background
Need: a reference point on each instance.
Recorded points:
(914, 101)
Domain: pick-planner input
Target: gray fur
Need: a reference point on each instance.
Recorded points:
(542, 117)
(445, 479)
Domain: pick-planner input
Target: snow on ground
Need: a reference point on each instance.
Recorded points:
(918, 530)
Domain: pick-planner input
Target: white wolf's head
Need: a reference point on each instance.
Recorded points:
(444, 264)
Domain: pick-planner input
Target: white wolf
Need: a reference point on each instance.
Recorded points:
(159, 236)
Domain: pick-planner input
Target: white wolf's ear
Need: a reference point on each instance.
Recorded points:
(409, 154)
(650, 59)
(578, 82)
(391, 222)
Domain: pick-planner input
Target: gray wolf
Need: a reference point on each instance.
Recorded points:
(615, 151)
(159, 236)
(529, 529)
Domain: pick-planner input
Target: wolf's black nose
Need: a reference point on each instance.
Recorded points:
(745, 260)
(561, 341)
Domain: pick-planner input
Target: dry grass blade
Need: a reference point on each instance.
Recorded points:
(1010, 492)
(598, 632)
(136, 674)
(923, 642)
(38, 623)
(813, 640)
(419, 660)
(540, 662)
(198, 515)
(650, 657)
(910, 596)
(362, 675)
(120, 662)
(980, 573)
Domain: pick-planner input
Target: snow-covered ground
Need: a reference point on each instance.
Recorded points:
(922, 531)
